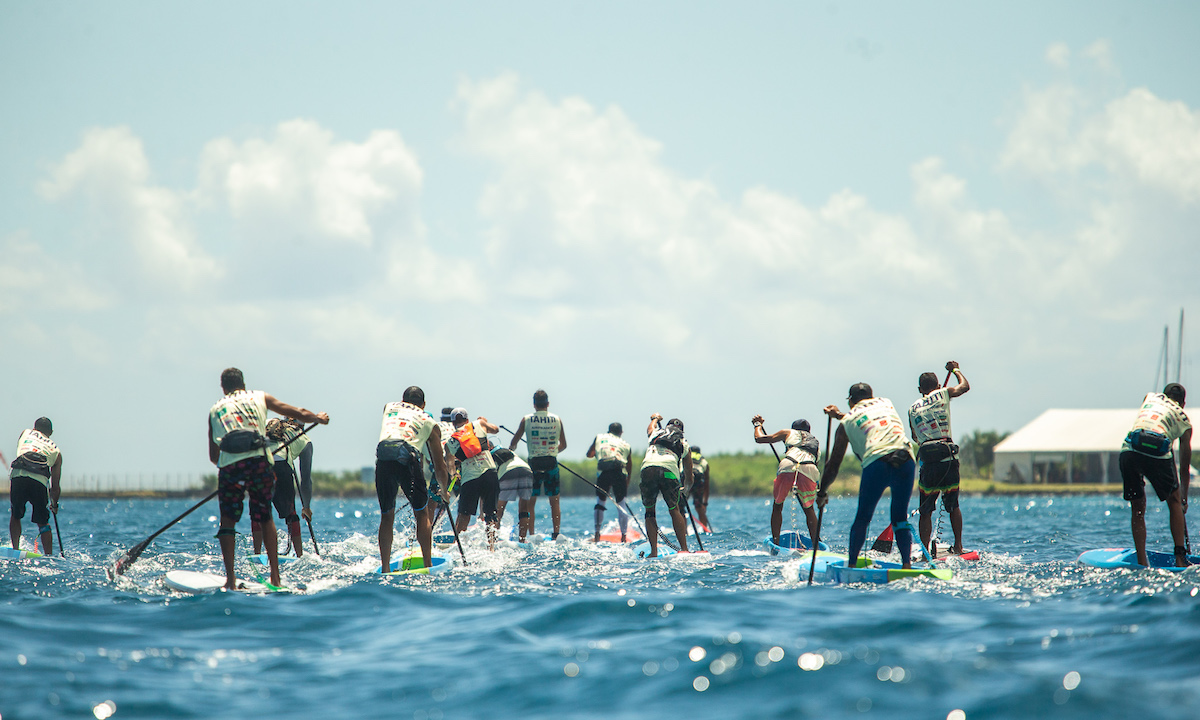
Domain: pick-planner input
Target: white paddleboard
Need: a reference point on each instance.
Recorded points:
(189, 581)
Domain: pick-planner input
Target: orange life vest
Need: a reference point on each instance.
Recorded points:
(468, 443)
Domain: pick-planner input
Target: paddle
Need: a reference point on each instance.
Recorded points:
(134, 552)
(610, 497)
(795, 490)
(454, 527)
(60, 545)
(820, 510)
(300, 495)
(883, 543)
(688, 510)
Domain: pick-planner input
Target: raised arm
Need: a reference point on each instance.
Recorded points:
(592, 449)
(761, 436)
(655, 419)
(963, 386)
(1185, 466)
(306, 456)
(487, 426)
(296, 413)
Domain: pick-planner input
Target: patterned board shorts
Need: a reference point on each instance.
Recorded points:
(253, 477)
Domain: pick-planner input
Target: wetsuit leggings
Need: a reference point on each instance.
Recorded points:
(875, 478)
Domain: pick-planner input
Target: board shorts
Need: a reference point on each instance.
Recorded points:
(804, 478)
(545, 475)
(612, 482)
(517, 484)
(698, 484)
(25, 490)
(655, 480)
(252, 477)
(405, 474)
(480, 494)
(1159, 471)
(939, 467)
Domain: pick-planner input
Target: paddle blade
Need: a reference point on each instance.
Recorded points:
(883, 544)
(128, 558)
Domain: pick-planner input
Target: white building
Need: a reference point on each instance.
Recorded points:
(1065, 446)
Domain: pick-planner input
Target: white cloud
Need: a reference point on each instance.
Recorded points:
(302, 180)
(1059, 55)
(143, 224)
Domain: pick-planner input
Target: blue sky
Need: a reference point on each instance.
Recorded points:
(695, 209)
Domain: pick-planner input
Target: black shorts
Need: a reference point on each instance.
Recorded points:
(1159, 471)
(480, 494)
(284, 498)
(939, 468)
(24, 490)
(545, 475)
(405, 474)
(654, 481)
(614, 482)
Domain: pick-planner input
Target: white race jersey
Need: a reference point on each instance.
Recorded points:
(288, 449)
(239, 410)
(610, 447)
(41, 449)
(407, 423)
(874, 429)
(929, 417)
(542, 431)
(1160, 414)
(801, 449)
(664, 457)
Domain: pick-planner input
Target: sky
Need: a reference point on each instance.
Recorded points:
(706, 210)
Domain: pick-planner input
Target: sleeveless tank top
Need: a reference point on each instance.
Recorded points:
(874, 429)
(542, 430)
(929, 417)
(38, 449)
(239, 410)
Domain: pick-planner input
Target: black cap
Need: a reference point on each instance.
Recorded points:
(446, 413)
(615, 428)
(44, 426)
(860, 391)
(802, 425)
(1174, 391)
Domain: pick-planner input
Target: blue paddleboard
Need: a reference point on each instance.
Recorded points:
(1110, 558)
(791, 543)
(261, 559)
(642, 550)
(11, 554)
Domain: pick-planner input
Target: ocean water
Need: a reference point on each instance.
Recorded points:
(572, 630)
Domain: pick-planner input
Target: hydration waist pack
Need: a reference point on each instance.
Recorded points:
(33, 462)
(896, 458)
(242, 441)
(1149, 443)
(393, 450)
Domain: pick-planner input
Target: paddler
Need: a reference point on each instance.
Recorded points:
(288, 444)
(516, 485)
(33, 480)
(546, 440)
(874, 430)
(701, 486)
(797, 469)
(614, 467)
(929, 421)
(238, 446)
(668, 458)
(1146, 453)
(480, 486)
(407, 430)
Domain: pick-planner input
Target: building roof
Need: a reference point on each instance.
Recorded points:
(1072, 431)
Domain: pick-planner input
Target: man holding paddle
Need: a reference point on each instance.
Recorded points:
(407, 430)
(668, 460)
(238, 446)
(33, 481)
(1147, 453)
(874, 430)
(546, 440)
(797, 469)
(929, 421)
(614, 466)
(701, 487)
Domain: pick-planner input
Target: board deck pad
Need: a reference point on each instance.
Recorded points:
(1110, 558)
(880, 573)
(415, 565)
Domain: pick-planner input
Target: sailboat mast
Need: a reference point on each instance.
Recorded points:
(1179, 361)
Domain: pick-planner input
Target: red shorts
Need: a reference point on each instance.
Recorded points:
(805, 481)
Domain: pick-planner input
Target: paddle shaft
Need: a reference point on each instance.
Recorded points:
(633, 517)
(692, 517)
(812, 569)
(300, 494)
(454, 528)
(130, 557)
(59, 534)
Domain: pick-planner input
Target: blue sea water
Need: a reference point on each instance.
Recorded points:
(573, 630)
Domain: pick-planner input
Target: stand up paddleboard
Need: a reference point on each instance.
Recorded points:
(415, 565)
(791, 543)
(197, 583)
(261, 559)
(880, 572)
(1110, 558)
(641, 551)
(945, 554)
(11, 554)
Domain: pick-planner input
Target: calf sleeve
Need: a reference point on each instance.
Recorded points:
(599, 514)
